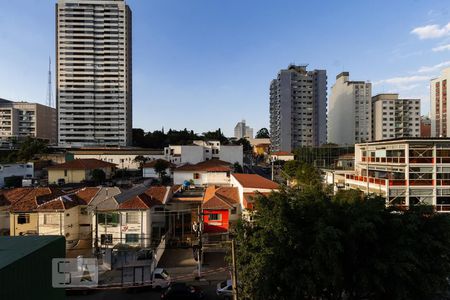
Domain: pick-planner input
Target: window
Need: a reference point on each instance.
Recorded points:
(65, 173)
(215, 217)
(131, 238)
(51, 219)
(108, 218)
(196, 176)
(23, 219)
(106, 239)
(132, 217)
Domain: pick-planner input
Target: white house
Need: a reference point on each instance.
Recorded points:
(203, 150)
(210, 172)
(136, 221)
(282, 155)
(249, 186)
(148, 169)
(25, 170)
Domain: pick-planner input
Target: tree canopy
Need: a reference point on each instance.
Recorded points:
(161, 166)
(304, 244)
(263, 133)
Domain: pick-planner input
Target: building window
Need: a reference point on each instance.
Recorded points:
(132, 217)
(23, 219)
(106, 239)
(131, 238)
(51, 219)
(65, 173)
(108, 219)
(215, 217)
(196, 176)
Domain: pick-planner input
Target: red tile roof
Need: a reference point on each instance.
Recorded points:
(255, 181)
(212, 165)
(34, 198)
(8, 197)
(220, 198)
(83, 164)
(151, 197)
(152, 163)
(282, 153)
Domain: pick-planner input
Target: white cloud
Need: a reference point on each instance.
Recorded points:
(431, 31)
(403, 81)
(434, 68)
(441, 48)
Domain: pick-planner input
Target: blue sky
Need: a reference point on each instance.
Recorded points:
(205, 64)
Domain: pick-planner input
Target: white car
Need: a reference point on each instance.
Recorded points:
(225, 289)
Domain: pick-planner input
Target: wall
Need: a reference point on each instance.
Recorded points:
(192, 154)
(216, 226)
(232, 154)
(7, 170)
(123, 161)
(16, 228)
(220, 178)
(73, 176)
(150, 173)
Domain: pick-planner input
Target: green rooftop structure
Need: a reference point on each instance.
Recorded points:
(26, 267)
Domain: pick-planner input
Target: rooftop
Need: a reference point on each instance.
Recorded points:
(82, 164)
(212, 165)
(255, 181)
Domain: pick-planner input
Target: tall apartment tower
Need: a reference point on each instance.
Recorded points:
(395, 118)
(350, 111)
(298, 108)
(241, 130)
(93, 73)
(439, 105)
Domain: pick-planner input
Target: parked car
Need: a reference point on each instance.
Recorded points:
(160, 279)
(225, 289)
(182, 291)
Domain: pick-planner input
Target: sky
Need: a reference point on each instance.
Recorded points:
(207, 64)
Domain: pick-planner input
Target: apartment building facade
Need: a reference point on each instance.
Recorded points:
(298, 108)
(350, 111)
(439, 105)
(93, 74)
(22, 119)
(393, 117)
(405, 171)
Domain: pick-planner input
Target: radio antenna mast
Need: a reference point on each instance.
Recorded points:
(49, 87)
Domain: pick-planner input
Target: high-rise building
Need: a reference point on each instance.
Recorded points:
(425, 126)
(298, 108)
(439, 105)
(241, 130)
(22, 119)
(395, 118)
(93, 72)
(350, 111)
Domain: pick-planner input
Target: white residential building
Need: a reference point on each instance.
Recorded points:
(349, 111)
(203, 150)
(394, 118)
(210, 172)
(440, 106)
(93, 72)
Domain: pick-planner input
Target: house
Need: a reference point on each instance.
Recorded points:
(201, 151)
(78, 170)
(25, 170)
(67, 215)
(282, 155)
(137, 220)
(220, 208)
(124, 158)
(249, 187)
(23, 215)
(208, 172)
(148, 169)
(346, 162)
(261, 146)
(7, 198)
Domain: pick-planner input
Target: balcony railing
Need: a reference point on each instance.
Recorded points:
(364, 179)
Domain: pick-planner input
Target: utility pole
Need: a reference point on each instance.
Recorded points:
(234, 277)
(199, 233)
(271, 160)
(96, 232)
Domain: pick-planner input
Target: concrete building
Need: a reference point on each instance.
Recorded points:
(298, 108)
(406, 171)
(93, 72)
(439, 105)
(201, 151)
(350, 111)
(210, 172)
(22, 119)
(394, 118)
(78, 170)
(241, 130)
(25, 170)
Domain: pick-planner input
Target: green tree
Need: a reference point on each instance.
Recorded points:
(246, 146)
(237, 168)
(98, 175)
(304, 244)
(215, 136)
(141, 160)
(30, 148)
(263, 133)
(160, 167)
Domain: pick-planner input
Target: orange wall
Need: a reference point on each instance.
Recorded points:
(216, 226)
